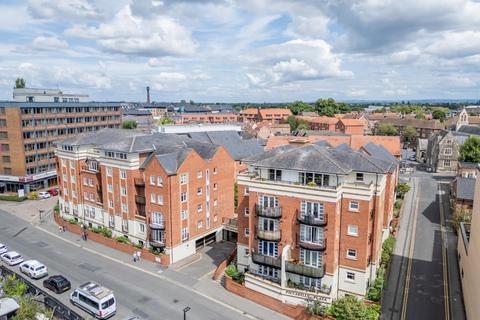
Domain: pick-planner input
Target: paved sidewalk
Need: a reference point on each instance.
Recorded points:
(204, 286)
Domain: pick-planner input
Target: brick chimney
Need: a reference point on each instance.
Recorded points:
(148, 94)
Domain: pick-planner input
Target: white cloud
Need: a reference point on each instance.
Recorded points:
(456, 44)
(134, 35)
(48, 43)
(64, 9)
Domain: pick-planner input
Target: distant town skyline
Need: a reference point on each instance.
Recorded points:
(243, 51)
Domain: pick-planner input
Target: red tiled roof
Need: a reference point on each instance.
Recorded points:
(275, 111)
(353, 122)
(249, 111)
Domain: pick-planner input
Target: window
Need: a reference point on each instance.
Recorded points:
(110, 203)
(184, 234)
(353, 206)
(152, 180)
(352, 230)
(215, 170)
(64, 163)
(268, 271)
(247, 251)
(199, 208)
(268, 248)
(74, 179)
(313, 209)
(199, 174)
(183, 197)
(446, 163)
(141, 228)
(153, 198)
(123, 174)
(159, 181)
(199, 191)
(92, 196)
(359, 177)
(124, 207)
(310, 177)
(65, 191)
(215, 203)
(90, 182)
(311, 234)
(247, 191)
(74, 193)
(160, 199)
(246, 232)
(352, 254)
(447, 151)
(184, 214)
(110, 187)
(85, 182)
(85, 195)
(72, 164)
(200, 224)
(183, 178)
(268, 201)
(351, 276)
(123, 191)
(275, 175)
(246, 211)
(157, 218)
(214, 186)
(109, 171)
(311, 258)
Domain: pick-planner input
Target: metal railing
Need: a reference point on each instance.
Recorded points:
(268, 235)
(60, 310)
(139, 182)
(140, 199)
(317, 246)
(160, 224)
(268, 212)
(266, 260)
(311, 220)
(304, 270)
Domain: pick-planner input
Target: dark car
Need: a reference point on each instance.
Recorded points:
(57, 284)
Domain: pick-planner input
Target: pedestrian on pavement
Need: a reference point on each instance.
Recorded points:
(86, 235)
(60, 229)
(134, 256)
(139, 255)
(63, 228)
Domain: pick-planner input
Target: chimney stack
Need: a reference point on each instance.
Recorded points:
(148, 94)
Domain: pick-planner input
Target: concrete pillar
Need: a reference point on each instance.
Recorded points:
(45, 183)
(26, 187)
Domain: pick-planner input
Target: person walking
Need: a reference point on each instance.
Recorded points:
(139, 255)
(134, 256)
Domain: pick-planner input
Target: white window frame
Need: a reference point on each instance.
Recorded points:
(215, 170)
(352, 230)
(215, 203)
(159, 181)
(246, 192)
(199, 207)
(246, 211)
(153, 198)
(152, 180)
(110, 203)
(447, 153)
(358, 175)
(184, 233)
(352, 257)
(123, 191)
(447, 163)
(199, 174)
(183, 178)
(160, 199)
(110, 187)
(214, 186)
(183, 197)
(109, 171)
(124, 207)
(184, 214)
(90, 182)
(141, 228)
(199, 191)
(350, 276)
(200, 224)
(352, 208)
(85, 181)
(246, 232)
(123, 174)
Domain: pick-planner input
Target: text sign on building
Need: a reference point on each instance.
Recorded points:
(308, 296)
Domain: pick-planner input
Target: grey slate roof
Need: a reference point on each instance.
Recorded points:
(325, 159)
(465, 188)
(470, 165)
(470, 129)
(135, 112)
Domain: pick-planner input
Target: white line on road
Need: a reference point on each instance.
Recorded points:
(152, 274)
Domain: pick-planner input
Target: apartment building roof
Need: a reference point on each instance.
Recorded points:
(353, 122)
(136, 112)
(319, 157)
(465, 188)
(4, 104)
(415, 123)
(470, 129)
(318, 119)
(249, 111)
(274, 111)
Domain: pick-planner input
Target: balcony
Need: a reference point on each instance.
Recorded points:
(315, 246)
(139, 182)
(157, 225)
(311, 220)
(263, 277)
(269, 235)
(267, 260)
(157, 243)
(140, 199)
(303, 270)
(324, 289)
(269, 212)
(230, 224)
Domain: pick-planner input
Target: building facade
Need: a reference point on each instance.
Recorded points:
(46, 95)
(29, 129)
(312, 220)
(424, 128)
(162, 191)
(443, 149)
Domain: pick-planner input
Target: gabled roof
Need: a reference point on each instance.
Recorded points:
(470, 129)
(465, 188)
(249, 111)
(353, 122)
(274, 111)
(467, 165)
(318, 119)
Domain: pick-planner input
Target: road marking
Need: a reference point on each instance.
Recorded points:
(244, 313)
(410, 254)
(446, 294)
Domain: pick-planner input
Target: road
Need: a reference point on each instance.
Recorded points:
(138, 293)
(418, 285)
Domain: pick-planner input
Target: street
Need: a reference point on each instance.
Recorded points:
(146, 294)
(420, 284)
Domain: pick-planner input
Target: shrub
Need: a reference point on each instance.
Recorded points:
(13, 287)
(462, 216)
(30, 309)
(104, 231)
(402, 188)
(33, 195)
(317, 308)
(56, 209)
(387, 249)
(138, 246)
(311, 184)
(349, 308)
(233, 273)
(375, 291)
(373, 311)
(72, 221)
(154, 251)
(16, 198)
(123, 239)
(398, 204)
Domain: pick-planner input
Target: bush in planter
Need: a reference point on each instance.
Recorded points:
(154, 251)
(72, 221)
(402, 188)
(123, 239)
(311, 184)
(16, 198)
(317, 308)
(387, 249)
(233, 273)
(33, 195)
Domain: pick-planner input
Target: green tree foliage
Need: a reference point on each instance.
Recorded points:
(329, 107)
(299, 106)
(420, 115)
(29, 308)
(303, 126)
(470, 150)
(317, 308)
(439, 114)
(406, 108)
(296, 124)
(13, 287)
(409, 133)
(20, 83)
(386, 129)
(129, 124)
(166, 120)
(402, 188)
(351, 308)
(462, 216)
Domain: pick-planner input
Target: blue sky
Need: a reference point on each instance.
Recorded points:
(244, 51)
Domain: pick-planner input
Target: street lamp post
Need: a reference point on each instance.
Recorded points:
(185, 313)
(40, 212)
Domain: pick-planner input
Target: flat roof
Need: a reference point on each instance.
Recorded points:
(15, 104)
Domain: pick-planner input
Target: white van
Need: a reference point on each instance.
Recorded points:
(95, 299)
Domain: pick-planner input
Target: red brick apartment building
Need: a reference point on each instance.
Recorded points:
(319, 123)
(274, 115)
(312, 220)
(163, 191)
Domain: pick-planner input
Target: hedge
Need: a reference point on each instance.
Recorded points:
(12, 198)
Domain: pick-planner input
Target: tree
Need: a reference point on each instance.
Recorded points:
(13, 287)
(409, 133)
(439, 114)
(296, 124)
(29, 308)
(129, 124)
(299, 106)
(329, 107)
(166, 120)
(350, 308)
(420, 115)
(302, 125)
(20, 83)
(470, 150)
(386, 129)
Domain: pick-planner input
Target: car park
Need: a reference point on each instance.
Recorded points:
(34, 269)
(3, 248)
(44, 195)
(12, 258)
(95, 299)
(57, 284)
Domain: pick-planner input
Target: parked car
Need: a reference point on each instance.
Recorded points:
(95, 299)
(57, 284)
(34, 269)
(53, 192)
(44, 195)
(12, 258)
(3, 248)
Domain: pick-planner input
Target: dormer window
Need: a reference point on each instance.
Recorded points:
(274, 175)
(359, 177)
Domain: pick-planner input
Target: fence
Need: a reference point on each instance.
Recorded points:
(61, 311)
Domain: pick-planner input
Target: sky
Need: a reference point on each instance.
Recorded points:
(243, 51)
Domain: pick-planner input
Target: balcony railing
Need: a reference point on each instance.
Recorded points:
(325, 289)
(140, 199)
(139, 182)
(267, 260)
(269, 235)
(311, 220)
(157, 243)
(316, 246)
(157, 225)
(269, 212)
(264, 277)
(230, 224)
(303, 270)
